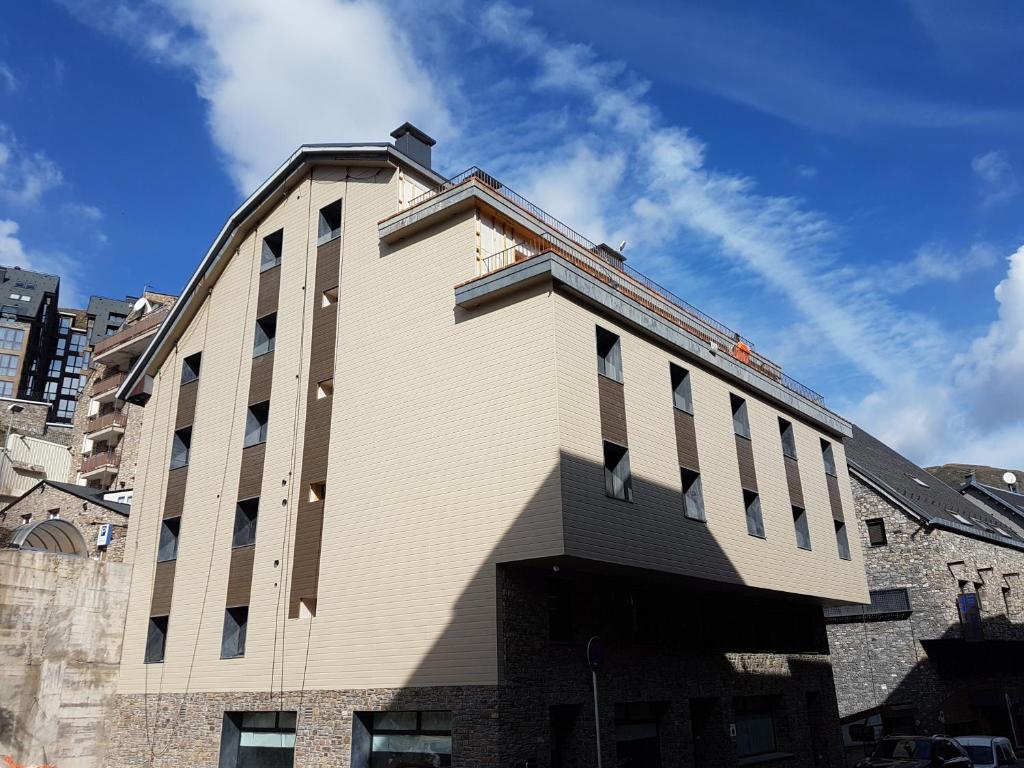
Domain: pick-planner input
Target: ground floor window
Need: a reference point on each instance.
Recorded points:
(406, 739)
(637, 743)
(258, 740)
(755, 725)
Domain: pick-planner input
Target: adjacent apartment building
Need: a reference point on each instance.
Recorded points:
(105, 438)
(412, 444)
(939, 648)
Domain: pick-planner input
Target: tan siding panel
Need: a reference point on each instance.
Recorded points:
(745, 457)
(174, 500)
(240, 576)
(834, 499)
(613, 410)
(250, 477)
(163, 587)
(796, 491)
(686, 440)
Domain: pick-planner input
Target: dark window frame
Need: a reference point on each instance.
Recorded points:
(190, 367)
(267, 326)
(182, 436)
(272, 250)
(693, 495)
(740, 417)
(682, 390)
(609, 354)
(260, 418)
(247, 515)
(617, 472)
(329, 222)
(874, 526)
(842, 540)
(787, 434)
(156, 639)
(801, 528)
(236, 625)
(170, 538)
(754, 513)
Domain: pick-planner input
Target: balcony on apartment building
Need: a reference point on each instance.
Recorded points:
(533, 245)
(102, 465)
(104, 389)
(108, 427)
(121, 348)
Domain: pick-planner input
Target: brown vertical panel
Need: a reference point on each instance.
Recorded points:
(261, 378)
(612, 400)
(270, 283)
(240, 575)
(186, 412)
(686, 440)
(163, 586)
(796, 490)
(174, 500)
(317, 441)
(745, 456)
(250, 477)
(833, 497)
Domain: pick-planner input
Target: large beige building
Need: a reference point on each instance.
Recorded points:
(411, 443)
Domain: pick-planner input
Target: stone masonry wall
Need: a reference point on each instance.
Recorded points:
(883, 661)
(60, 644)
(85, 515)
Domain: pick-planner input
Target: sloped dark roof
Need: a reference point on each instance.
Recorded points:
(1014, 501)
(930, 499)
(25, 282)
(85, 493)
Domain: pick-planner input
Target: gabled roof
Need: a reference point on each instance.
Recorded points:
(920, 494)
(85, 493)
(1005, 498)
(237, 227)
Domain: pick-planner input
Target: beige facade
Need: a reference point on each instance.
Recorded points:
(461, 438)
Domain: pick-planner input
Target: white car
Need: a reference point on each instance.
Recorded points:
(989, 751)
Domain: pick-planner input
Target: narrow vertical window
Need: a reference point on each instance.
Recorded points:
(265, 336)
(236, 621)
(329, 226)
(828, 457)
(755, 523)
(256, 420)
(169, 529)
(246, 514)
(190, 368)
(682, 397)
(740, 423)
(803, 533)
(156, 639)
(609, 355)
(272, 247)
(788, 438)
(181, 447)
(841, 542)
(693, 495)
(325, 389)
(618, 482)
(876, 532)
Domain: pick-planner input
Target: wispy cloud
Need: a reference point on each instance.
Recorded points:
(996, 178)
(14, 253)
(24, 175)
(931, 263)
(7, 79)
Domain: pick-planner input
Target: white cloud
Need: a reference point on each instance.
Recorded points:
(807, 172)
(82, 211)
(14, 253)
(931, 263)
(7, 78)
(25, 176)
(996, 178)
(275, 75)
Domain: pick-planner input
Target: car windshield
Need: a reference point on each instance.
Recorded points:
(980, 755)
(904, 749)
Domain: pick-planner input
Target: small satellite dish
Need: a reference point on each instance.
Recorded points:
(1009, 478)
(622, 246)
(142, 305)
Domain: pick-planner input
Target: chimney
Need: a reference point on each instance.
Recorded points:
(413, 143)
(969, 477)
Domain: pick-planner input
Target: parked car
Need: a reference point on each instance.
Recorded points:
(917, 752)
(989, 751)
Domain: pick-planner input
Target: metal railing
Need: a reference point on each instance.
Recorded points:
(884, 602)
(99, 422)
(129, 332)
(624, 278)
(108, 383)
(100, 460)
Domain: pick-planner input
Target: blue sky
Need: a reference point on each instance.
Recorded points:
(841, 182)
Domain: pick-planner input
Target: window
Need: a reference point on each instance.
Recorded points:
(258, 739)
(803, 534)
(755, 522)
(6, 389)
(788, 438)
(54, 514)
(740, 423)
(330, 223)
(618, 483)
(246, 512)
(636, 734)
(559, 611)
(256, 419)
(755, 725)
(271, 256)
(682, 398)
(329, 297)
(170, 528)
(232, 643)
(325, 389)
(156, 640)
(920, 482)
(181, 447)
(962, 519)
(266, 332)
(66, 408)
(408, 738)
(9, 365)
(317, 491)
(876, 532)
(11, 338)
(841, 542)
(609, 355)
(26, 519)
(828, 458)
(190, 368)
(693, 494)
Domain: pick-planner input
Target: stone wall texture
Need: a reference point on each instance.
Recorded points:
(61, 621)
(883, 661)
